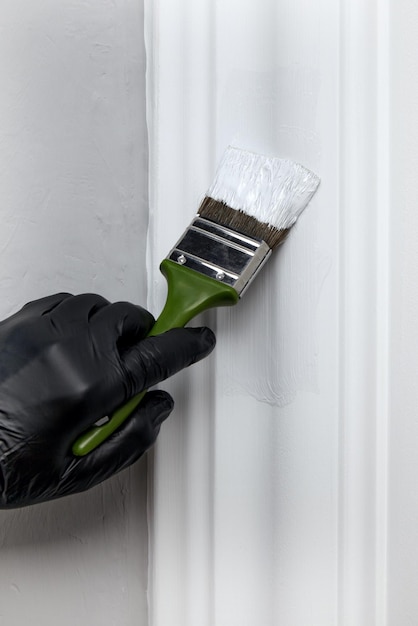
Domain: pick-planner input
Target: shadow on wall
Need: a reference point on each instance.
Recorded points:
(84, 519)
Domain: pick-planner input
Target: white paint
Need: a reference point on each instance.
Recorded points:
(73, 213)
(283, 488)
(244, 494)
(363, 344)
(274, 191)
(402, 556)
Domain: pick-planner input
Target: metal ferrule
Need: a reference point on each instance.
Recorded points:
(220, 253)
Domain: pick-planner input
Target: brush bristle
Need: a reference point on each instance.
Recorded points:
(243, 223)
(265, 194)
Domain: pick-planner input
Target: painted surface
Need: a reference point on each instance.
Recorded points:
(73, 213)
(244, 495)
(284, 487)
(402, 503)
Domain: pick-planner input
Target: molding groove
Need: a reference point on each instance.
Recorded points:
(364, 312)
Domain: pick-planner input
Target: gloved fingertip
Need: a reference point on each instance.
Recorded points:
(206, 337)
(147, 314)
(157, 357)
(162, 404)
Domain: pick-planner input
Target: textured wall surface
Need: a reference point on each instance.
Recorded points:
(73, 215)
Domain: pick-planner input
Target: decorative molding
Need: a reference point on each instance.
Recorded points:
(275, 512)
(364, 335)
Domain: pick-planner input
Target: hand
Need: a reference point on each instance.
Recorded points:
(65, 362)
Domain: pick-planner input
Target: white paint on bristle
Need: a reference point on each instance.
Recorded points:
(274, 191)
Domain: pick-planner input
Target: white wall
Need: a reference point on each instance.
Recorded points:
(245, 486)
(284, 487)
(402, 600)
(73, 215)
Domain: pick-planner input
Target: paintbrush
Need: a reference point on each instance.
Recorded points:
(248, 211)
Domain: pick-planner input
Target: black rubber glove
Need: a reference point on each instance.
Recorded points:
(65, 362)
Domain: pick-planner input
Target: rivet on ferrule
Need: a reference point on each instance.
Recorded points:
(220, 253)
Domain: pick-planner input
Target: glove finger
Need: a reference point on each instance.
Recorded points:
(124, 322)
(76, 310)
(156, 358)
(124, 447)
(45, 305)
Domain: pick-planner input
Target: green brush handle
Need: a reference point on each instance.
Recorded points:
(189, 293)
